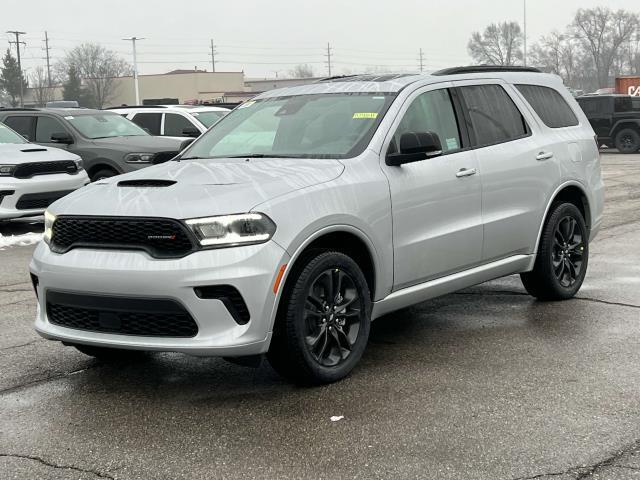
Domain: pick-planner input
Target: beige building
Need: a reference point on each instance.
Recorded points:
(178, 86)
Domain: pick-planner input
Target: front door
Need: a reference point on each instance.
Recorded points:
(436, 203)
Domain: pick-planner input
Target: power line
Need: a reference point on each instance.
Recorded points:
(17, 43)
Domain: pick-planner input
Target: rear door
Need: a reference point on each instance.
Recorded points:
(516, 161)
(599, 111)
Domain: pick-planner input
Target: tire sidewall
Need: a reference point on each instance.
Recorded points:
(295, 317)
(624, 132)
(561, 211)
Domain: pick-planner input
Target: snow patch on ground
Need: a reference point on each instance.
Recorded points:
(19, 240)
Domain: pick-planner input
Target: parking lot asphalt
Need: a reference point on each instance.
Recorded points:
(482, 384)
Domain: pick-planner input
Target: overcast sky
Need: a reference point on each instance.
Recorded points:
(262, 37)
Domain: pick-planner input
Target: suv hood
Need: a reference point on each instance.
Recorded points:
(17, 153)
(197, 188)
(143, 143)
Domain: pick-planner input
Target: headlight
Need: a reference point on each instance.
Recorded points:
(79, 166)
(7, 170)
(232, 230)
(49, 218)
(139, 157)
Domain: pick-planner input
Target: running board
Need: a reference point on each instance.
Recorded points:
(451, 283)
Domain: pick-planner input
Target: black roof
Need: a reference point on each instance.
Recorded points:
(484, 69)
(63, 112)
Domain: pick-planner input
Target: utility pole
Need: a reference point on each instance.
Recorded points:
(421, 60)
(328, 55)
(135, 66)
(213, 56)
(525, 32)
(48, 58)
(18, 42)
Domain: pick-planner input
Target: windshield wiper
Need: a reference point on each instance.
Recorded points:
(260, 155)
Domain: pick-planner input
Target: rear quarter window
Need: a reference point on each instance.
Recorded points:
(550, 106)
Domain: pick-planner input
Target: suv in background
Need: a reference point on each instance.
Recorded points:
(309, 211)
(173, 121)
(615, 119)
(32, 177)
(108, 143)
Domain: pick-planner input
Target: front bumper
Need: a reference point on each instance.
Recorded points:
(39, 184)
(252, 270)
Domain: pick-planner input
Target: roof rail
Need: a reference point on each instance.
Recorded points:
(335, 77)
(138, 106)
(485, 69)
(19, 109)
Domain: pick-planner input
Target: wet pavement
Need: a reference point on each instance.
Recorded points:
(482, 384)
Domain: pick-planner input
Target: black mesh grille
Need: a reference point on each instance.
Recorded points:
(30, 201)
(125, 316)
(160, 237)
(230, 297)
(28, 170)
(164, 157)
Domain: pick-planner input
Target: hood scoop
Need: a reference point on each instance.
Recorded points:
(146, 183)
(29, 150)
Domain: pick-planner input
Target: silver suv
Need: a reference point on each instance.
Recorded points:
(309, 211)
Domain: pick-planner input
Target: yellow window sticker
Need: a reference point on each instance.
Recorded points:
(366, 115)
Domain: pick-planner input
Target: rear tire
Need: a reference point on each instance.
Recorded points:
(563, 255)
(323, 323)
(627, 140)
(109, 354)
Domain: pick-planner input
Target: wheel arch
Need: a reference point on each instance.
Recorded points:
(621, 124)
(343, 238)
(100, 164)
(570, 192)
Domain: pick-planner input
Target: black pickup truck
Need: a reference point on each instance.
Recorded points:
(615, 119)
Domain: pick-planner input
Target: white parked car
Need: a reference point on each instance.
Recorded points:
(173, 120)
(33, 176)
(309, 211)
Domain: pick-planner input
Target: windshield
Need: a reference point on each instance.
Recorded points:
(9, 136)
(105, 126)
(338, 125)
(209, 118)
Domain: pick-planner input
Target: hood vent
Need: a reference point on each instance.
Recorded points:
(146, 183)
(29, 150)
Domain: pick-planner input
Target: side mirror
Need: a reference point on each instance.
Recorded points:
(415, 146)
(62, 137)
(191, 132)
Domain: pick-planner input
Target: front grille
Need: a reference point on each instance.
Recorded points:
(162, 157)
(28, 170)
(160, 237)
(31, 201)
(120, 315)
(230, 297)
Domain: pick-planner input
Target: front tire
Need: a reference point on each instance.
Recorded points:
(628, 141)
(323, 324)
(563, 256)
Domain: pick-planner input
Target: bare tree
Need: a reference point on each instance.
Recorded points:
(98, 67)
(499, 44)
(40, 85)
(602, 32)
(558, 53)
(301, 71)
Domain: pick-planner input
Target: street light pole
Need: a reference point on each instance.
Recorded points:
(135, 67)
(525, 33)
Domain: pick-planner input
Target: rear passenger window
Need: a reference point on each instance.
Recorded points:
(148, 121)
(552, 109)
(23, 125)
(494, 116)
(432, 112)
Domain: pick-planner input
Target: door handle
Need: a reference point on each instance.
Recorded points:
(544, 156)
(466, 172)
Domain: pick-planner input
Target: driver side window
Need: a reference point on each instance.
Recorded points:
(432, 112)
